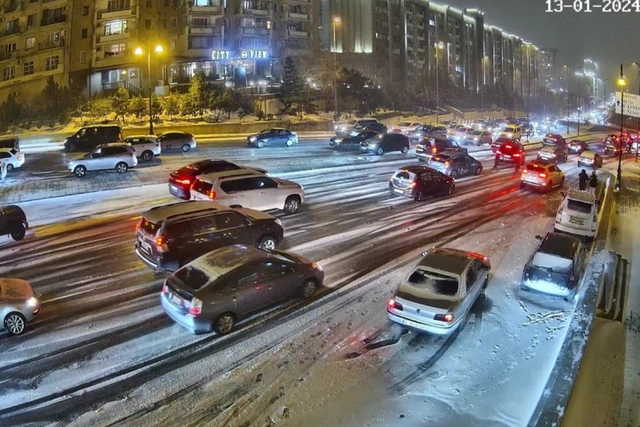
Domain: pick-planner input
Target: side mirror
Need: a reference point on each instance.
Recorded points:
(538, 237)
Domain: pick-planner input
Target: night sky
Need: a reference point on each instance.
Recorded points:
(607, 38)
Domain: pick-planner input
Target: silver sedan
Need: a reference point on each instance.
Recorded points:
(18, 305)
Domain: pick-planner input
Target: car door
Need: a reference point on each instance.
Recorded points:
(169, 141)
(112, 156)
(231, 229)
(6, 157)
(278, 278)
(96, 161)
(237, 192)
(430, 183)
(556, 173)
(266, 194)
(252, 295)
(474, 280)
(3, 222)
(280, 137)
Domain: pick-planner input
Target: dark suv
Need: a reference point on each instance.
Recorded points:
(511, 152)
(418, 182)
(385, 142)
(13, 221)
(89, 137)
(429, 147)
(180, 181)
(556, 266)
(171, 236)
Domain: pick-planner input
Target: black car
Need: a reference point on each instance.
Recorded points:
(511, 152)
(177, 141)
(271, 137)
(180, 181)
(351, 142)
(555, 140)
(552, 154)
(429, 147)
(377, 127)
(385, 142)
(89, 137)
(427, 131)
(13, 222)
(171, 236)
(455, 164)
(11, 142)
(556, 266)
(419, 182)
(577, 147)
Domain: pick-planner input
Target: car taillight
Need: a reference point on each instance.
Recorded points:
(498, 152)
(434, 150)
(161, 242)
(393, 304)
(196, 307)
(516, 155)
(137, 226)
(525, 171)
(542, 175)
(165, 289)
(212, 195)
(444, 317)
(185, 181)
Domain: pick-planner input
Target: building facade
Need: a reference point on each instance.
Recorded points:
(550, 69)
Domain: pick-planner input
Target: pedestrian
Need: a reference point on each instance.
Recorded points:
(496, 162)
(3, 170)
(582, 180)
(593, 182)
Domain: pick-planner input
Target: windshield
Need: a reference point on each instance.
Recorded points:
(404, 124)
(193, 277)
(435, 283)
(552, 263)
(578, 206)
(149, 227)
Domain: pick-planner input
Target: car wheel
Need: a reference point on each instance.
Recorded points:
(309, 288)
(453, 174)
(291, 205)
(9, 167)
(419, 197)
(380, 151)
(405, 149)
(18, 231)
(147, 156)
(289, 142)
(15, 323)
(122, 167)
(267, 243)
(478, 171)
(80, 171)
(186, 148)
(450, 190)
(224, 323)
(261, 144)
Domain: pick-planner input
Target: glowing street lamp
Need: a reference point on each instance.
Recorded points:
(439, 45)
(622, 83)
(139, 51)
(335, 21)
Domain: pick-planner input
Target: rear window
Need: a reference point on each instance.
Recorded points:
(202, 187)
(535, 168)
(578, 206)
(552, 263)
(441, 158)
(193, 277)
(150, 227)
(405, 175)
(434, 283)
(187, 171)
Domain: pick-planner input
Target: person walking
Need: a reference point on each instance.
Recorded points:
(582, 180)
(593, 182)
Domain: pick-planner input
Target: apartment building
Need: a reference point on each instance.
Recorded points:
(550, 69)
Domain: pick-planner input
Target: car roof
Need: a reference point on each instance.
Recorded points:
(549, 148)
(540, 164)
(415, 169)
(140, 136)
(581, 195)
(206, 162)
(163, 213)
(213, 176)
(559, 244)
(101, 126)
(114, 144)
(445, 259)
(272, 129)
(588, 153)
(229, 258)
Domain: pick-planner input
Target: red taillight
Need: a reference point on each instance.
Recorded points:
(212, 195)
(160, 241)
(542, 175)
(444, 317)
(434, 150)
(185, 181)
(413, 184)
(516, 155)
(196, 307)
(498, 152)
(394, 305)
(137, 226)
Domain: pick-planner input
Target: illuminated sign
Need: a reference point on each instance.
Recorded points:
(221, 55)
(254, 54)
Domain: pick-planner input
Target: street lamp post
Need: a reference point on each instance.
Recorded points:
(579, 84)
(140, 51)
(336, 20)
(439, 45)
(622, 83)
(568, 108)
(484, 75)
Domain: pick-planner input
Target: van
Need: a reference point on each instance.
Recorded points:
(512, 132)
(10, 142)
(89, 137)
(578, 214)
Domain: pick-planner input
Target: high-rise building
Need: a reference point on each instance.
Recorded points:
(590, 79)
(550, 69)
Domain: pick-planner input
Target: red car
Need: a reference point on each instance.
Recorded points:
(495, 145)
(511, 152)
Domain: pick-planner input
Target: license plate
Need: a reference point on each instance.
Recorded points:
(176, 300)
(413, 324)
(397, 190)
(576, 220)
(145, 246)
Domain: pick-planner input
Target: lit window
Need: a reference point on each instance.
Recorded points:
(30, 43)
(115, 27)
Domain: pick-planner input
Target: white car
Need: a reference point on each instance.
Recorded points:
(18, 305)
(145, 146)
(248, 188)
(116, 155)
(542, 175)
(12, 158)
(406, 127)
(578, 213)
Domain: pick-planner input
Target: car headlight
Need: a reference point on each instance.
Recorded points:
(253, 139)
(476, 138)
(32, 302)
(337, 140)
(316, 266)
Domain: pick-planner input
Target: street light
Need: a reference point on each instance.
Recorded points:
(484, 60)
(335, 21)
(568, 108)
(439, 45)
(579, 84)
(139, 51)
(622, 83)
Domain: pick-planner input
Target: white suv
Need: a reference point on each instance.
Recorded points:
(578, 213)
(543, 175)
(249, 188)
(116, 155)
(145, 146)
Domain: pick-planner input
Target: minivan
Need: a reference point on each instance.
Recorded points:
(89, 137)
(578, 213)
(512, 132)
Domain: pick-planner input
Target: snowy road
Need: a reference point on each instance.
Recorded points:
(103, 351)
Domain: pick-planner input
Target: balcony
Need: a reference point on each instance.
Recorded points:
(209, 10)
(205, 29)
(10, 31)
(257, 12)
(298, 16)
(51, 20)
(298, 33)
(51, 45)
(113, 14)
(7, 56)
(255, 31)
(11, 7)
(113, 37)
(110, 59)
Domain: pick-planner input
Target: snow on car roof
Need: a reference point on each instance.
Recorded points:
(555, 263)
(450, 260)
(581, 195)
(588, 153)
(559, 244)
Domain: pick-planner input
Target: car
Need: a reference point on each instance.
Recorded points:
(177, 141)
(344, 128)
(12, 158)
(384, 143)
(612, 147)
(117, 155)
(612, 137)
(512, 132)
(555, 140)
(553, 154)
(527, 129)
(480, 124)
(405, 127)
(376, 127)
(511, 152)
(19, 305)
(419, 182)
(576, 146)
(495, 145)
(272, 137)
(89, 137)
(455, 164)
(437, 295)
(479, 137)
(249, 189)
(146, 146)
(578, 213)
(542, 175)
(13, 222)
(427, 131)
(180, 180)
(429, 147)
(169, 237)
(351, 141)
(225, 286)
(461, 133)
(590, 158)
(556, 266)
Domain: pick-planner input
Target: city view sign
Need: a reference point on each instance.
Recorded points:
(222, 55)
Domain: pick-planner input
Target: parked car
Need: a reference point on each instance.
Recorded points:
(344, 128)
(249, 189)
(177, 141)
(556, 266)
(591, 159)
(145, 146)
(576, 146)
(385, 142)
(352, 141)
(12, 158)
(429, 147)
(437, 295)
(89, 137)
(18, 305)
(406, 127)
(555, 140)
(511, 152)
(13, 222)
(419, 182)
(427, 131)
(10, 142)
(495, 145)
(542, 175)
(169, 237)
(272, 137)
(227, 285)
(553, 154)
(460, 133)
(455, 164)
(512, 132)
(180, 181)
(578, 214)
(478, 137)
(117, 155)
